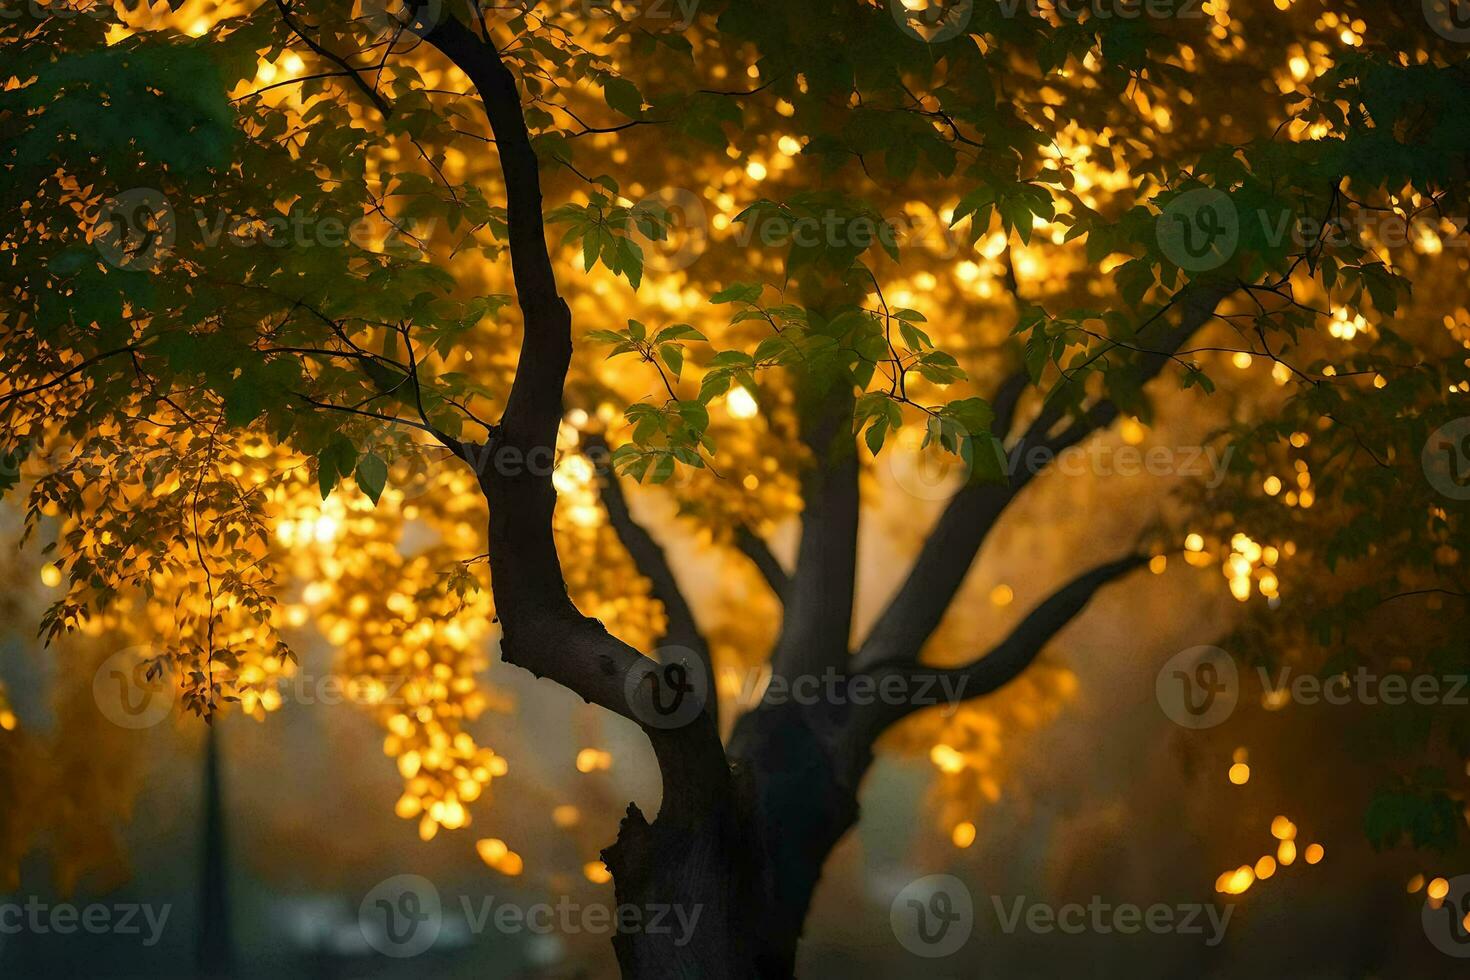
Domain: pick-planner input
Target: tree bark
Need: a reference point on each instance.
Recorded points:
(803, 803)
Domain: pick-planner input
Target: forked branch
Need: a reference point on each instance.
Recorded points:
(945, 559)
(997, 668)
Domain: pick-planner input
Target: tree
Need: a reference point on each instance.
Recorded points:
(201, 373)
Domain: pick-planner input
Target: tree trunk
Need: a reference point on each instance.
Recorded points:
(215, 952)
(696, 868)
(747, 863)
(803, 803)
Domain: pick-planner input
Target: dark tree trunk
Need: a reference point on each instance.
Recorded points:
(215, 953)
(749, 860)
(802, 804)
(702, 864)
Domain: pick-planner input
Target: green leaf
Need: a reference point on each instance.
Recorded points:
(740, 292)
(714, 384)
(622, 96)
(673, 356)
(679, 331)
(243, 403)
(1134, 279)
(334, 462)
(875, 435)
(372, 475)
(973, 414)
(694, 414)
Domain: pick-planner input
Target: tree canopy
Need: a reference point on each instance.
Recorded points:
(295, 293)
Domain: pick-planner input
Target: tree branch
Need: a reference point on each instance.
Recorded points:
(754, 547)
(392, 419)
(816, 628)
(533, 410)
(649, 558)
(348, 69)
(541, 630)
(1197, 303)
(62, 378)
(945, 559)
(1007, 399)
(1003, 664)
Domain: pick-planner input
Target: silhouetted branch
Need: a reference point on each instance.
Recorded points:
(818, 605)
(754, 547)
(950, 549)
(648, 556)
(1003, 664)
